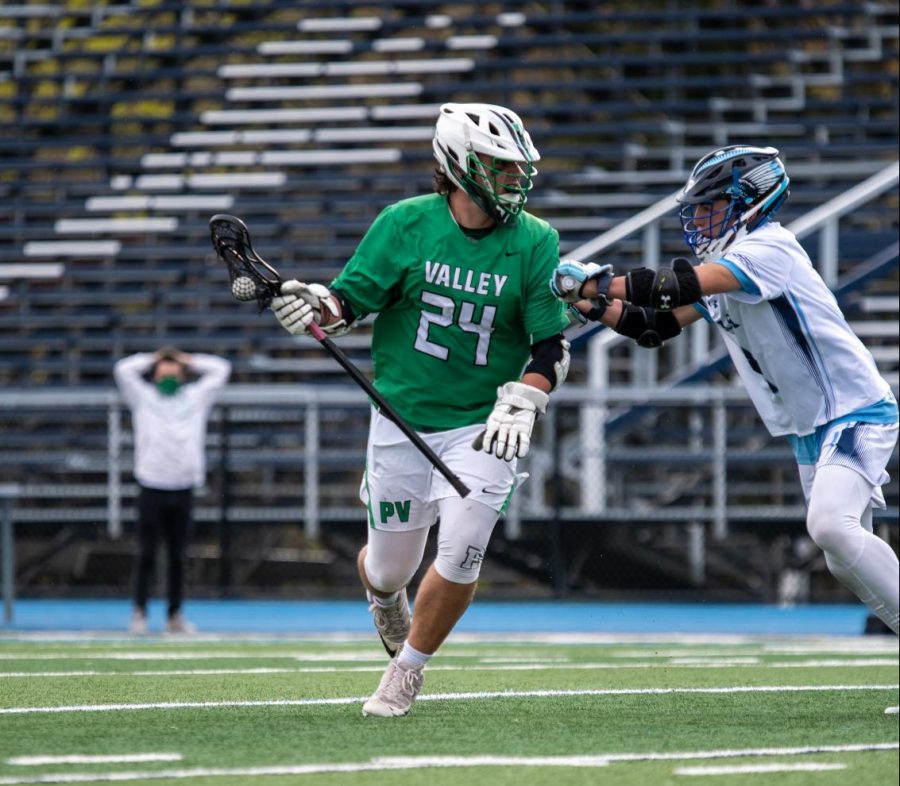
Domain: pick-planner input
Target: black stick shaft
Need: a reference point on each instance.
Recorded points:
(358, 377)
(274, 284)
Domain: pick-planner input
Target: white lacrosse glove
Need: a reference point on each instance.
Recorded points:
(300, 304)
(507, 433)
(571, 275)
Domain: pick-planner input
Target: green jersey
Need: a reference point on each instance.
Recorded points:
(456, 316)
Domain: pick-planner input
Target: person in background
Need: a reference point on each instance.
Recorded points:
(809, 376)
(467, 347)
(170, 395)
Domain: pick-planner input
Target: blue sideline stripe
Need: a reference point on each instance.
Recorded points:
(335, 616)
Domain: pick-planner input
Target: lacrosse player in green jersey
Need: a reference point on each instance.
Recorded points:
(467, 345)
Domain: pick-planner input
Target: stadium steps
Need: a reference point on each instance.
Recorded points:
(641, 109)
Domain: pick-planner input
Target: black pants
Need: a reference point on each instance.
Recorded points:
(167, 513)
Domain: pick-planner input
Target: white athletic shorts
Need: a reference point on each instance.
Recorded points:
(400, 488)
(863, 447)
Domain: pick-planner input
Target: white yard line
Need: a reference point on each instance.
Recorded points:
(82, 638)
(741, 769)
(737, 753)
(368, 654)
(839, 647)
(860, 645)
(424, 762)
(507, 659)
(536, 665)
(819, 664)
(79, 758)
(479, 695)
(164, 655)
(769, 642)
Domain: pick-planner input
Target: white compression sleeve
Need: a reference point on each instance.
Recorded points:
(465, 529)
(839, 521)
(392, 558)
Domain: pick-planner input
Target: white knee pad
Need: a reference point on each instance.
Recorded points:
(836, 532)
(463, 536)
(392, 558)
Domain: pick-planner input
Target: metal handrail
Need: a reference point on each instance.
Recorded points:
(823, 218)
(843, 203)
(817, 218)
(638, 221)
(599, 461)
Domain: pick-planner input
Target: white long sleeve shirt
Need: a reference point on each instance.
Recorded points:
(170, 431)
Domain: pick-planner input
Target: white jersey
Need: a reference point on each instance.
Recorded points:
(801, 363)
(170, 431)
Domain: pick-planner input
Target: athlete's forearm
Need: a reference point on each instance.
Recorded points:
(538, 381)
(714, 279)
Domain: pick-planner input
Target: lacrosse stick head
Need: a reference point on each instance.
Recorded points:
(251, 277)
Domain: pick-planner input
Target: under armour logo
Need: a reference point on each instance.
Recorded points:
(665, 302)
(728, 323)
(474, 556)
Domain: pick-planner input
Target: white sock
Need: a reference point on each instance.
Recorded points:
(390, 600)
(410, 658)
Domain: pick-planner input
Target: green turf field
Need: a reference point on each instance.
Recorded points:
(231, 711)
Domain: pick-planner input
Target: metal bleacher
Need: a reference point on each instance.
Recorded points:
(126, 124)
(136, 121)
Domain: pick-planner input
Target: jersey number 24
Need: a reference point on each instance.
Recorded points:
(444, 319)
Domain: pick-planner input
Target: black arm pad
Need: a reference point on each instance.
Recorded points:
(664, 289)
(549, 356)
(648, 326)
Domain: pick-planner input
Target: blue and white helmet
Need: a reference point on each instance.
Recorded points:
(754, 183)
(463, 131)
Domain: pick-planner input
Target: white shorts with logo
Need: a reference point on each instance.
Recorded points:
(401, 489)
(863, 447)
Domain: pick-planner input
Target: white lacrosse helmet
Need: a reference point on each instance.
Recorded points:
(465, 130)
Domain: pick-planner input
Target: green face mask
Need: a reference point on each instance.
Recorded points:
(168, 386)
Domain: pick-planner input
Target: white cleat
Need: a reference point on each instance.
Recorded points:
(396, 693)
(138, 624)
(391, 622)
(892, 710)
(177, 625)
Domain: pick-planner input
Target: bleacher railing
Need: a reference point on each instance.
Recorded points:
(644, 366)
(103, 471)
(824, 220)
(696, 476)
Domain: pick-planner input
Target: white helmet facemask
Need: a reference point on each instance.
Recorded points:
(485, 150)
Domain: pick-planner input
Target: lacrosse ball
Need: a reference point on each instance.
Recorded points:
(243, 288)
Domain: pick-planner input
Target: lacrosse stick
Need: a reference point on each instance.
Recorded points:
(252, 278)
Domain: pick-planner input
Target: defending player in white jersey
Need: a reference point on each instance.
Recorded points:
(809, 376)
